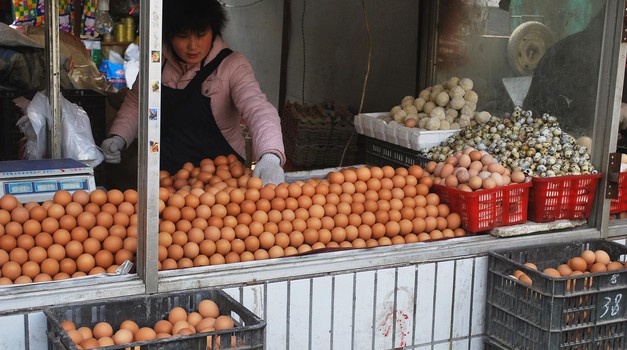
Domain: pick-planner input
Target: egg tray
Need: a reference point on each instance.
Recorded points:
(371, 125)
(576, 312)
(145, 310)
(484, 210)
(562, 197)
(619, 204)
(315, 138)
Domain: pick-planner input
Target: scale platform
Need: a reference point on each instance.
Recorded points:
(38, 180)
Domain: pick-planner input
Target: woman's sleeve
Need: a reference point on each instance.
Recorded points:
(125, 123)
(260, 116)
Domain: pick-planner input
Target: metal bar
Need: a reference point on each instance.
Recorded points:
(16, 303)
(53, 78)
(374, 307)
(148, 145)
(428, 18)
(285, 50)
(607, 108)
(78, 14)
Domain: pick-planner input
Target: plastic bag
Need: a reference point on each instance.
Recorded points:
(131, 64)
(33, 126)
(113, 68)
(77, 141)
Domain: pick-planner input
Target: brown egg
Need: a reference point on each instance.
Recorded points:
(602, 257)
(20, 215)
(8, 202)
(68, 266)
(564, 270)
(84, 262)
(588, 256)
(163, 326)
(73, 249)
(105, 341)
(525, 279)
(552, 272)
(98, 197)
(62, 197)
(86, 220)
(30, 269)
(123, 336)
(614, 265)
(598, 267)
(49, 266)
(76, 336)
(223, 322)
(81, 197)
(177, 314)
(578, 264)
(102, 329)
(56, 251)
(145, 334)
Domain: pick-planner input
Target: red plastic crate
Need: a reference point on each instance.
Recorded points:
(620, 204)
(562, 197)
(486, 209)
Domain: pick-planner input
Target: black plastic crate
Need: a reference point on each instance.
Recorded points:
(585, 311)
(145, 310)
(92, 102)
(380, 153)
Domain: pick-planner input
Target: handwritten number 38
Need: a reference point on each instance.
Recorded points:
(614, 308)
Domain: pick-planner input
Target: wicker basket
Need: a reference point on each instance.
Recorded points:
(317, 136)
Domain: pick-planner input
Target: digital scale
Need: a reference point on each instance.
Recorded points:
(38, 180)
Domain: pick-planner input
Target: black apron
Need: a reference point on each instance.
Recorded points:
(189, 132)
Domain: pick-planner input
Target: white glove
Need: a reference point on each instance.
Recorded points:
(111, 148)
(269, 169)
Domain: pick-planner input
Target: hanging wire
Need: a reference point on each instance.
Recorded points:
(363, 91)
(302, 29)
(234, 6)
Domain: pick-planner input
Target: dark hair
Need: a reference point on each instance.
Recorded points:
(192, 16)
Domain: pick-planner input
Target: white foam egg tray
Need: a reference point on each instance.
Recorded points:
(371, 125)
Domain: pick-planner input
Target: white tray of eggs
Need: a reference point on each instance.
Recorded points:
(375, 125)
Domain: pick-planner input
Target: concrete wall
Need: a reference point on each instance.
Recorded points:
(334, 58)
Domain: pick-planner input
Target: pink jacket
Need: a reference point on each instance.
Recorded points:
(235, 94)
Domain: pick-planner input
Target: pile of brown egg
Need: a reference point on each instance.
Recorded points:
(71, 235)
(178, 321)
(219, 213)
(588, 262)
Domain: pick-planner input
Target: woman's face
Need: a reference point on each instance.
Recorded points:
(192, 48)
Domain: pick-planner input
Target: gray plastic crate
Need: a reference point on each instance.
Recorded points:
(580, 312)
(377, 152)
(145, 310)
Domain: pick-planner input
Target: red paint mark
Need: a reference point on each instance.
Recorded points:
(386, 326)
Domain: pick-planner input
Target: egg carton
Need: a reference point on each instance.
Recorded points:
(371, 125)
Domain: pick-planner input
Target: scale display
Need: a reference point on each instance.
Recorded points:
(38, 180)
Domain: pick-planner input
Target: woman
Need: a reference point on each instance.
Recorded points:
(206, 90)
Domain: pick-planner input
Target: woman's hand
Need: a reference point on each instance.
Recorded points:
(268, 168)
(111, 148)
